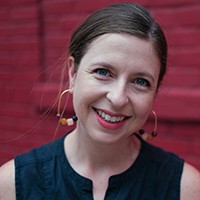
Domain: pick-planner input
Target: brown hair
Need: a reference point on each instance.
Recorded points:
(120, 18)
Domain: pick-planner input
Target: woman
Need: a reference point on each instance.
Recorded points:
(117, 60)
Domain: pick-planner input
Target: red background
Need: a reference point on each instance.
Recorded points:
(34, 36)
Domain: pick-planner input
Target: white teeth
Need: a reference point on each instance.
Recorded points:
(113, 119)
(108, 117)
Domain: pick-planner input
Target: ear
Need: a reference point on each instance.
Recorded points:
(71, 72)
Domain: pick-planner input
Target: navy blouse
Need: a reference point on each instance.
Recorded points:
(44, 173)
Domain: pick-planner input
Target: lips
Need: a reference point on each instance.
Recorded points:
(109, 118)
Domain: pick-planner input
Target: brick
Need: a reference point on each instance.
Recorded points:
(33, 51)
(176, 104)
(183, 147)
(26, 28)
(55, 41)
(23, 61)
(17, 2)
(178, 76)
(183, 37)
(51, 94)
(178, 16)
(15, 110)
(24, 13)
(24, 77)
(4, 14)
(185, 57)
(58, 7)
(195, 147)
(88, 6)
(189, 16)
(171, 3)
(4, 46)
(193, 160)
(5, 157)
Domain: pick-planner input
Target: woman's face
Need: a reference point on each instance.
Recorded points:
(114, 86)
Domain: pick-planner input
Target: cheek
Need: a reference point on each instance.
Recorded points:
(84, 95)
(142, 112)
(143, 106)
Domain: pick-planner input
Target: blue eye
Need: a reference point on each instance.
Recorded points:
(142, 82)
(102, 72)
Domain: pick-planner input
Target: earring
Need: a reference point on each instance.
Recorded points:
(153, 134)
(62, 120)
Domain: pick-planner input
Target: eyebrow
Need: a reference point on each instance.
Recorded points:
(146, 74)
(103, 64)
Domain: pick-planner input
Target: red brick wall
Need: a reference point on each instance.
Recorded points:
(34, 35)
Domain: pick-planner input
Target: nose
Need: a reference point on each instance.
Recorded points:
(117, 95)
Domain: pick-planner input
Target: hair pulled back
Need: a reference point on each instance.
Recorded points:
(119, 18)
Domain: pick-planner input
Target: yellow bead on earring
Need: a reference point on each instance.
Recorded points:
(69, 121)
(63, 121)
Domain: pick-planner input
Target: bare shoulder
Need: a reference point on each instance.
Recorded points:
(190, 183)
(7, 181)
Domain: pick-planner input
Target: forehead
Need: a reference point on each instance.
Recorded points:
(122, 49)
(115, 39)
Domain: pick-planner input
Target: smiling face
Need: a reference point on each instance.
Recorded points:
(114, 86)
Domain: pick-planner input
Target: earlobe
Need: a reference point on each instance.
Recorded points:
(71, 72)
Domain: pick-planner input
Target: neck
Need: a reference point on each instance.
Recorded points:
(87, 156)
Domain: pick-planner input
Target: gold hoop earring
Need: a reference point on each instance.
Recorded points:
(146, 136)
(62, 120)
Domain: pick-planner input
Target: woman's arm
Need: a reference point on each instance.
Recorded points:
(7, 181)
(190, 183)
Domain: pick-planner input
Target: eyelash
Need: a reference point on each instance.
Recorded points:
(98, 70)
(145, 83)
(106, 73)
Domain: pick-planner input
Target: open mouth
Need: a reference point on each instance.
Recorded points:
(109, 118)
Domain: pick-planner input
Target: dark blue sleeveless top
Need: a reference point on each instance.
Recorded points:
(45, 174)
